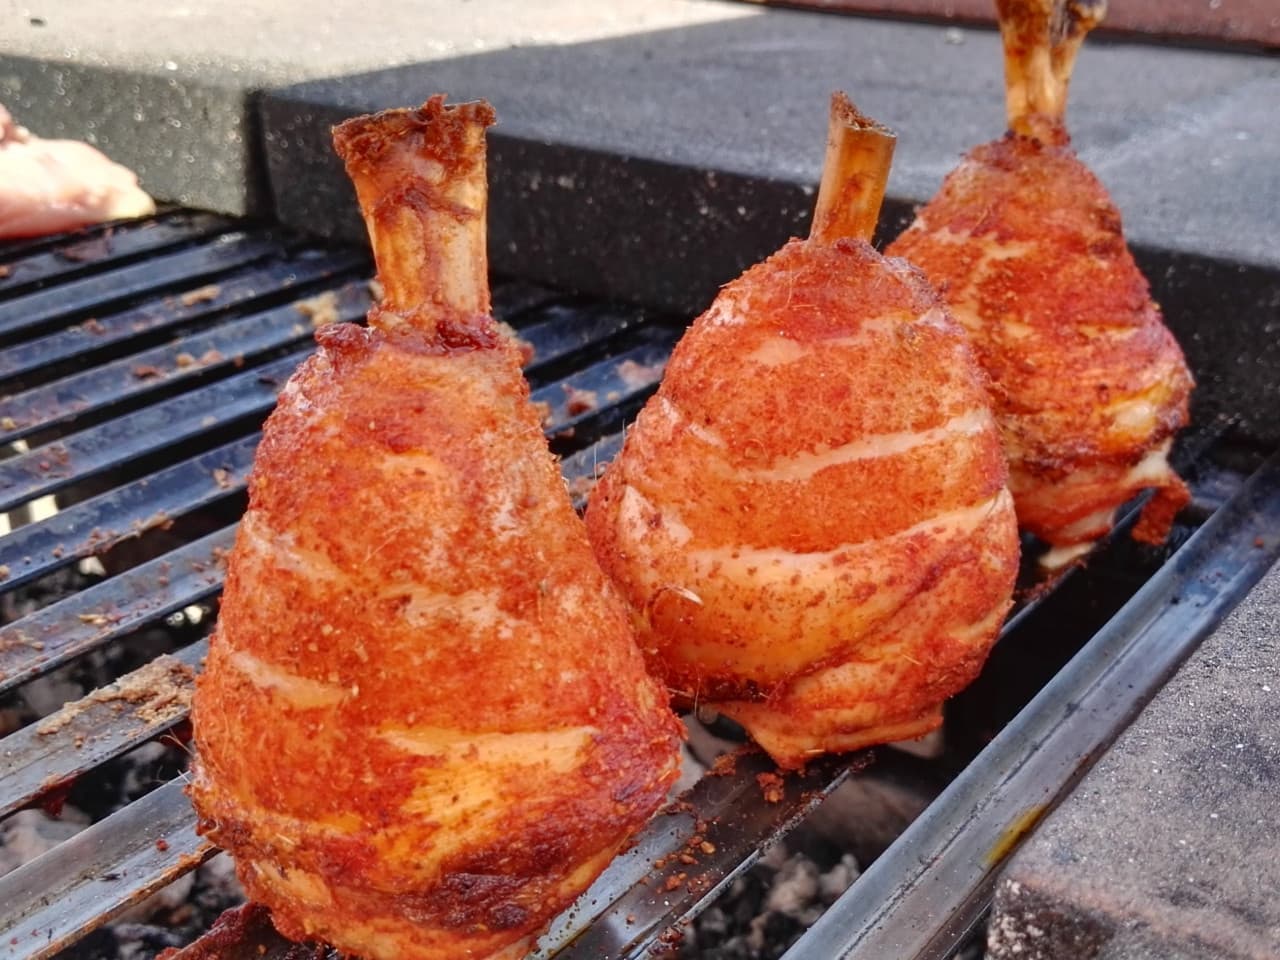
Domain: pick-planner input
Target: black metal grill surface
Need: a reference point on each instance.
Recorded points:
(137, 363)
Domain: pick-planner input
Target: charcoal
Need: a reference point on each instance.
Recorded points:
(141, 941)
(765, 910)
(174, 916)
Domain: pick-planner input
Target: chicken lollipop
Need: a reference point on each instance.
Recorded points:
(424, 726)
(809, 518)
(1089, 386)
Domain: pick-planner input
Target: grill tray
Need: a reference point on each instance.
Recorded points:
(138, 362)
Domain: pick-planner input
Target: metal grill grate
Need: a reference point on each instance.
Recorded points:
(139, 362)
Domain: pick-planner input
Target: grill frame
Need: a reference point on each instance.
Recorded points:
(571, 334)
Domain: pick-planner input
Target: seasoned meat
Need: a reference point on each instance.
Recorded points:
(1088, 384)
(809, 518)
(424, 727)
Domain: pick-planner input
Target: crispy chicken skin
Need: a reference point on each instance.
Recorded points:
(424, 726)
(1088, 385)
(809, 519)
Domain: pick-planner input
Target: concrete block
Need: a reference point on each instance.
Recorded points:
(1168, 847)
(665, 161)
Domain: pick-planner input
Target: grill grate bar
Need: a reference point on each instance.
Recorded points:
(89, 879)
(73, 458)
(18, 247)
(113, 719)
(109, 248)
(181, 309)
(514, 300)
(27, 313)
(555, 341)
(112, 609)
(633, 902)
(77, 457)
(45, 639)
(92, 526)
(927, 890)
(226, 347)
(597, 399)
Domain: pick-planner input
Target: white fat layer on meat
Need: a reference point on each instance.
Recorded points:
(776, 565)
(1017, 330)
(778, 352)
(300, 692)
(557, 748)
(504, 523)
(1135, 415)
(1090, 525)
(836, 679)
(300, 885)
(664, 409)
(425, 607)
(965, 307)
(293, 395)
(1152, 470)
(571, 601)
(1108, 331)
(1154, 467)
(784, 351)
(422, 607)
(992, 249)
(634, 511)
(983, 627)
(803, 466)
(722, 314)
(1061, 556)
(471, 771)
(934, 317)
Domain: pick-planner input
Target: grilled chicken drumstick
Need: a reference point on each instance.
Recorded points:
(424, 726)
(1089, 385)
(809, 518)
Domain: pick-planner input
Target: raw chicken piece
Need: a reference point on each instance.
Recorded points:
(48, 186)
(809, 519)
(424, 726)
(1089, 385)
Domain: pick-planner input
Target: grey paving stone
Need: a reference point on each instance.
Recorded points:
(1168, 848)
(653, 146)
(651, 115)
(170, 89)
(189, 141)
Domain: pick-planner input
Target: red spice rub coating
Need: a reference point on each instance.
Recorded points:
(1087, 382)
(819, 459)
(424, 726)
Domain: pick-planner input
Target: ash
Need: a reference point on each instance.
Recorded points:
(767, 909)
(172, 917)
(179, 912)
